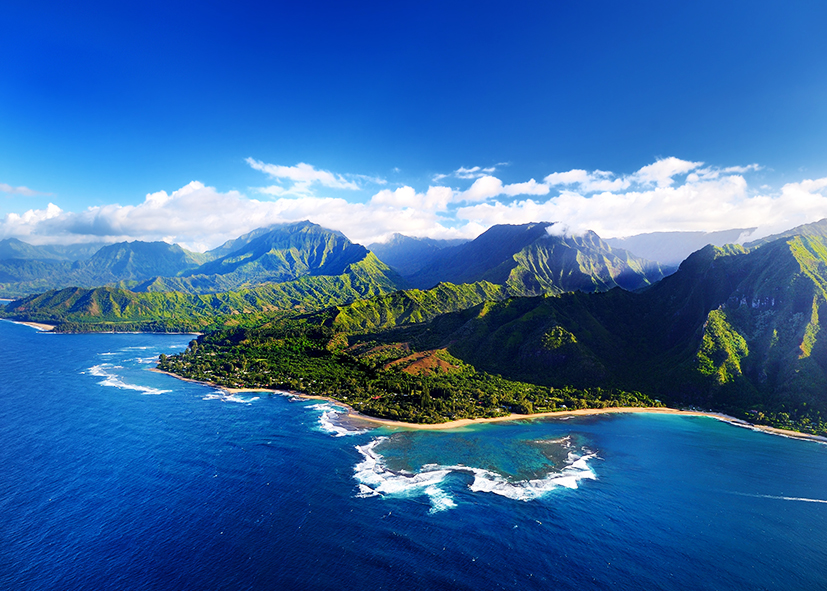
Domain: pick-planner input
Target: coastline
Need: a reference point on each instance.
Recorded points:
(36, 325)
(460, 423)
(50, 328)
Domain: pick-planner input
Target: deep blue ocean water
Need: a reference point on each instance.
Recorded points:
(116, 477)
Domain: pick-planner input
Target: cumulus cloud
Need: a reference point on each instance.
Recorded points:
(434, 199)
(667, 195)
(662, 172)
(487, 187)
(710, 202)
(199, 217)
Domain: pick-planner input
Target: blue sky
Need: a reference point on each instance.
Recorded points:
(155, 115)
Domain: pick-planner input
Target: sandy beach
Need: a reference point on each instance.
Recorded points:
(458, 424)
(37, 325)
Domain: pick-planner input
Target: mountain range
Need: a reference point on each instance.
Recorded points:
(530, 260)
(735, 328)
(524, 259)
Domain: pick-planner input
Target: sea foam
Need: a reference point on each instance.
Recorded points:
(328, 420)
(375, 478)
(229, 397)
(110, 379)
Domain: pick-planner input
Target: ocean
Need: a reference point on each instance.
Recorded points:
(117, 477)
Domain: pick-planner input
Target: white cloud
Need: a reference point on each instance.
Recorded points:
(720, 202)
(200, 217)
(531, 187)
(483, 188)
(558, 229)
(302, 177)
(487, 187)
(661, 172)
(588, 182)
(25, 191)
(571, 177)
(473, 172)
(670, 194)
(434, 199)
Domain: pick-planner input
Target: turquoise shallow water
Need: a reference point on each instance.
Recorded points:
(115, 477)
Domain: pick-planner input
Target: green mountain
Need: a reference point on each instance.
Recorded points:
(734, 329)
(407, 254)
(124, 262)
(276, 254)
(731, 329)
(24, 276)
(530, 261)
(12, 248)
(817, 229)
(135, 261)
(111, 308)
(408, 306)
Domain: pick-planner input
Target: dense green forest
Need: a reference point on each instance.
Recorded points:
(391, 381)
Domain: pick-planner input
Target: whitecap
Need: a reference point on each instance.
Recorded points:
(229, 397)
(114, 381)
(375, 478)
(528, 490)
(440, 500)
(328, 420)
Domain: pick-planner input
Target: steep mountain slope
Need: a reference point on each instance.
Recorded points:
(530, 261)
(730, 329)
(135, 261)
(407, 254)
(276, 254)
(817, 229)
(110, 308)
(279, 253)
(12, 248)
(285, 253)
(406, 307)
(126, 261)
(19, 277)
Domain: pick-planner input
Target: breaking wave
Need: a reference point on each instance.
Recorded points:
(375, 479)
(329, 420)
(229, 397)
(104, 370)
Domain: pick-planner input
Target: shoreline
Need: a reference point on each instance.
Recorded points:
(51, 327)
(460, 423)
(36, 325)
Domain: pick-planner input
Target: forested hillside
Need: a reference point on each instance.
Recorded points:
(733, 329)
(531, 261)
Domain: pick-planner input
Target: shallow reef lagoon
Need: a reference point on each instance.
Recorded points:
(116, 477)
